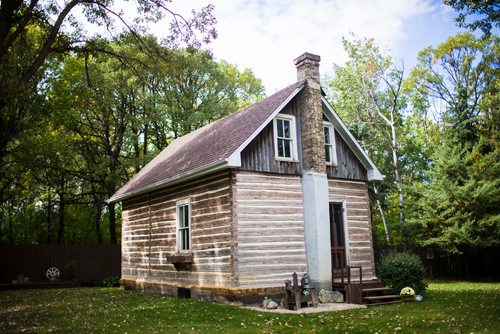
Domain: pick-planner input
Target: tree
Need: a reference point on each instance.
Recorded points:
(194, 89)
(487, 13)
(100, 126)
(458, 207)
(35, 31)
(367, 93)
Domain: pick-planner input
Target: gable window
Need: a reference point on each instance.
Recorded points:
(183, 225)
(285, 138)
(330, 151)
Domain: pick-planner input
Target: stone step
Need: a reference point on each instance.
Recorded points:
(384, 303)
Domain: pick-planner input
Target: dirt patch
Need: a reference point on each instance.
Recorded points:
(327, 307)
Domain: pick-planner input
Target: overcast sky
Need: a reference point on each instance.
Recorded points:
(266, 35)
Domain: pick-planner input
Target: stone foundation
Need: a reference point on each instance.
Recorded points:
(221, 294)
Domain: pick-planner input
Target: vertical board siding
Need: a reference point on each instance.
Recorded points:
(359, 228)
(92, 263)
(149, 233)
(348, 165)
(259, 155)
(269, 218)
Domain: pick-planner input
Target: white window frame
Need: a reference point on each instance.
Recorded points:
(293, 137)
(332, 146)
(179, 204)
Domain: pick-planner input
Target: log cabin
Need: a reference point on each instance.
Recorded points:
(234, 208)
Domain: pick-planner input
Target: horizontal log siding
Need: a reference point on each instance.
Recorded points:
(269, 216)
(259, 155)
(359, 228)
(149, 227)
(348, 165)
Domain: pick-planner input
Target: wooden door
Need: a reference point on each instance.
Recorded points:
(337, 236)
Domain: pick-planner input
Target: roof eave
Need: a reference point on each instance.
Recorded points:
(204, 170)
(372, 171)
(234, 159)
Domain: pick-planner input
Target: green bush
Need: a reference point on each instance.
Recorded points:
(399, 270)
(111, 281)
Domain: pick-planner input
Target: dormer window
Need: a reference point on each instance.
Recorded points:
(330, 151)
(285, 138)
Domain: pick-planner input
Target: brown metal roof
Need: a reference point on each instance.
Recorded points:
(205, 147)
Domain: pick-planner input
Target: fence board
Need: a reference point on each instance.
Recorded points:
(92, 263)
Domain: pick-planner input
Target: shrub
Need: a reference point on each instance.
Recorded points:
(399, 270)
(69, 270)
(111, 281)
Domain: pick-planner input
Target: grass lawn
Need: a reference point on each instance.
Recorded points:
(447, 308)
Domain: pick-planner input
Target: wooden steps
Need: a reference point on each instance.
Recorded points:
(379, 296)
(374, 293)
(384, 303)
(370, 290)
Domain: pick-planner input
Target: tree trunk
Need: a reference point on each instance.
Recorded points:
(11, 231)
(384, 219)
(60, 232)
(98, 217)
(112, 223)
(49, 210)
(399, 182)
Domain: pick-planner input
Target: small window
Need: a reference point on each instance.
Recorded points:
(285, 143)
(184, 226)
(330, 151)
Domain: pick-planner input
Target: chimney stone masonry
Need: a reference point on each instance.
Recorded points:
(311, 114)
(314, 178)
(308, 67)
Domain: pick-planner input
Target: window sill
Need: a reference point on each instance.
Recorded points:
(180, 258)
(286, 160)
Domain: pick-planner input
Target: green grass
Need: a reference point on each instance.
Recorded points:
(447, 308)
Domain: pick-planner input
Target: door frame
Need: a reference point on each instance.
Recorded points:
(343, 203)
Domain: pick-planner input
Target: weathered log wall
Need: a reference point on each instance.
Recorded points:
(359, 241)
(149, 234)
(269, 217)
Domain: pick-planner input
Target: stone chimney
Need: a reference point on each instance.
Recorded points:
(308, 68)
(311, 114)
(314, 178)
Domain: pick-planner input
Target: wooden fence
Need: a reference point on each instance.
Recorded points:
(85, 264)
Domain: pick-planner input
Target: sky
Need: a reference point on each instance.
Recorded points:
(266, 36)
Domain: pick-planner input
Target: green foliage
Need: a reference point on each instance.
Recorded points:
(111, 281)
(369, 94)
(399, 270)
(446, 308)
(486, 14)
(457, 205)
(107, 116)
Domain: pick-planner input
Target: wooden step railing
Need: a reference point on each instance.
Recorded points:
(354, 290)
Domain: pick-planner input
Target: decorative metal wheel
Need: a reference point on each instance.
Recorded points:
(52, 273)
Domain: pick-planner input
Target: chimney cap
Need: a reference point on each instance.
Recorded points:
(306, 55)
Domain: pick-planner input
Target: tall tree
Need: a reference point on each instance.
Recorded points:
(104, 112)
(33, 31)
(458, 207)
(368, 94)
